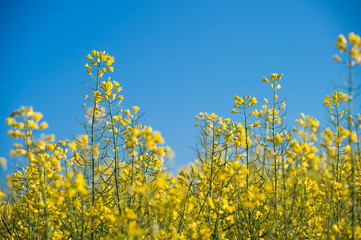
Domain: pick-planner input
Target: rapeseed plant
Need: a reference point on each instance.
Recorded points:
(253, 178)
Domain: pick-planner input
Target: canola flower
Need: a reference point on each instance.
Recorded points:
(253, 178)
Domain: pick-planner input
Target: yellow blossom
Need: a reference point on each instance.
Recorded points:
(336, 58)
(264, 79)
(84, 140)
(252, 102)
(210, 203)
(354, 38)
(135, 109)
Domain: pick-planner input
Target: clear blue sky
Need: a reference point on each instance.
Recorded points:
(173, 58)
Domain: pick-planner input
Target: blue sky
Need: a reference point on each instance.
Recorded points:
(173, 58)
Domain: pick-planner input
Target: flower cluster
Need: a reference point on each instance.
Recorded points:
(353, 48)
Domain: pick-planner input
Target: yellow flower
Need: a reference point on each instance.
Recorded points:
(90, 57)
(278, 138)
(95, 149)
(335, 228)
(72, 146)
(115, 83)
(264, 79)
(327, 101)
(10, 121)
(18, 125)
(135, 109)
(157, 138)
(118, 89)
(341, 38)
(94, 53)
(87, 66)
(2, 195)
(337, 58)
(43, 125)
(341, 43)
(160, 183)
(97, 96)
(127, 112)
(354, 52)
(353, 137)
(130, 214)
(107, 86)
(36, 116)
(210, 203)
(354, 38)
(252, 102)
(273, 76)
(133, 229)
(84, 140)
(31, 124)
